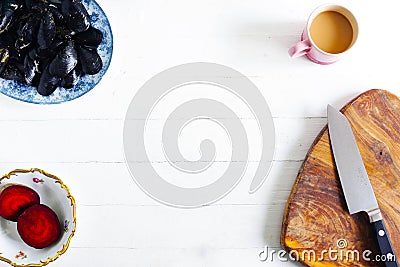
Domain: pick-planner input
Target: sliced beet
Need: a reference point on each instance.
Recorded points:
(15, 199)
(39, 226)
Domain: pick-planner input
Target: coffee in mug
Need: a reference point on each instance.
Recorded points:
(331, 30)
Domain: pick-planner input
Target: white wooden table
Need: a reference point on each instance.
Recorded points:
(81, 141)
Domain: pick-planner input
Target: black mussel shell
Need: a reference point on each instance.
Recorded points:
(47, 30)
(90, 60)
(65, 61)
(58, 16)
(32, 54)
(50, 52)
(48, 83)
(6, 40)
(5, 20)
(30, 3)
(27, 32)
(17, 64)
(39, 5)
(4, 57)
(31, 69)
(76, 15)
(47, 55)
(9, 13)
(29, 26)
(71, 79)
(16, 55)
(21, 44)
(12, 72)
(91, 37)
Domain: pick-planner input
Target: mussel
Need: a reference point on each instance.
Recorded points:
(4, 57)
(76, 15)
(27, 32)
(16, 55)
(72, 78)
(48, 83)
(47, 31)
(9, 13)
(90, 60)
(58, 16)
(12, 72)
(91, 37)
(50, 52)
(65, 61)
(45, 56)
(6, 40)
(37, 4)
(31, 68)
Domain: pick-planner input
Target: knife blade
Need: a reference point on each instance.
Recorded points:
(356, 185)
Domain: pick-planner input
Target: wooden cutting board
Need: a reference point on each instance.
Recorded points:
(316, 215)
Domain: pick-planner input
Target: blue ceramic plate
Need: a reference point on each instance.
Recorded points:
(86, 83)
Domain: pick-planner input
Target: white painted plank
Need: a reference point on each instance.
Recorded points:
(199, 257)
(110, 184)
(161, 227)
(101, 140)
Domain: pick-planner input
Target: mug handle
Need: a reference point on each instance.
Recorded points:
(300, 49)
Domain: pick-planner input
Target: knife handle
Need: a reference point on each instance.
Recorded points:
(385, 245)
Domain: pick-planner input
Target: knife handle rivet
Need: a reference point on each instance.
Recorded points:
(381, 233)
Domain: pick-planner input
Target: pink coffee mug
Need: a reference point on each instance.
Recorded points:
(308, 47)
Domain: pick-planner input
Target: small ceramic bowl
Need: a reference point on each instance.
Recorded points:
(53, 193)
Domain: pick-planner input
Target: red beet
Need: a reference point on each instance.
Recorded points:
(39, 226)
(14, 199)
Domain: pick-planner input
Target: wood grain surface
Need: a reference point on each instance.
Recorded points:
(316, 215)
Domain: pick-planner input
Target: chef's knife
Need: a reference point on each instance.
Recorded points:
(356, 186)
